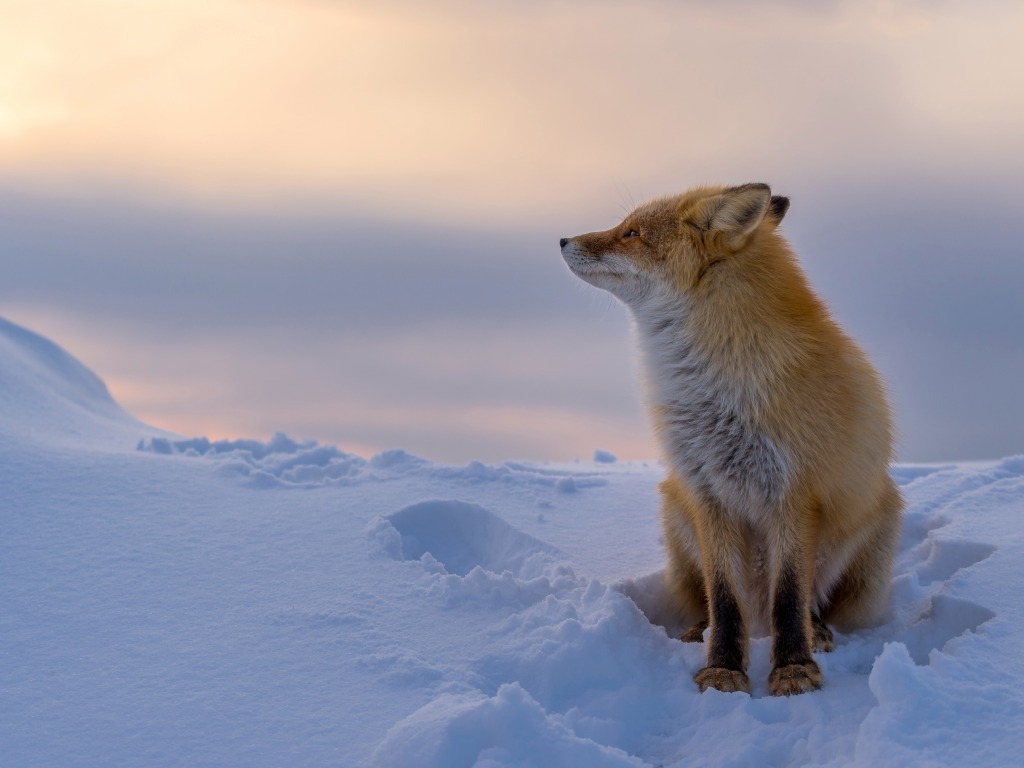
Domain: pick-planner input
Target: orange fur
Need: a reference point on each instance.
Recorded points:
(778, 503)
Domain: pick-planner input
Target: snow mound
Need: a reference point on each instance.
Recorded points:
(471, 555)
(460, 537)
(46, 395)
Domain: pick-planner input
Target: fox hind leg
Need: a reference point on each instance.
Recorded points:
(695, 634)
(684, 579)
(821, 636)
(859, 596)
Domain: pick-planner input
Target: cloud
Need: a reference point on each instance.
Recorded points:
(501, 111)
(340, 220)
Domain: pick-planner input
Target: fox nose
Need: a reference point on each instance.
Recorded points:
(563, 241)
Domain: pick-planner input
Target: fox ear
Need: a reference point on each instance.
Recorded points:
(740, 210)
(777, 207)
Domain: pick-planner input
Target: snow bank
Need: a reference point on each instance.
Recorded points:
(172, 601)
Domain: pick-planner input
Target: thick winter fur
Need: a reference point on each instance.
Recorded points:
(778, 509)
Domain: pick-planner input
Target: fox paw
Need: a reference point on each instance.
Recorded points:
(722, 679)
(790, 679)
(821, 635)
(694, 634)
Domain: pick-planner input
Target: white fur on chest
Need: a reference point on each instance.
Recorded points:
(707, 422)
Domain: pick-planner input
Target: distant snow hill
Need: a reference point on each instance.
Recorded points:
(45, 393)
(178, 601)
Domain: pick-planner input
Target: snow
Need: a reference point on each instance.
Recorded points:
(171, 601)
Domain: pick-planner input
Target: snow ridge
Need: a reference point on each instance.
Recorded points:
(286, 463)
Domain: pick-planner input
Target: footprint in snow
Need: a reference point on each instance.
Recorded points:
(947, 558)
(934, 563)
(945, 619)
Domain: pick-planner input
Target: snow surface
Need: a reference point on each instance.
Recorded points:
(185, 602)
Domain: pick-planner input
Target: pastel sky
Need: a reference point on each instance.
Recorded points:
(340, 220)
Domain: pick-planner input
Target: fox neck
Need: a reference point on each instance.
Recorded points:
(676, 368)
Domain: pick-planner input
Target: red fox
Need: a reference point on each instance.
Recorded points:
(778, 509)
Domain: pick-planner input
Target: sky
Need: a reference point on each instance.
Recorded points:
(341, 221)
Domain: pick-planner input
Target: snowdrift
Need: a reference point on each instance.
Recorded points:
(171, 601)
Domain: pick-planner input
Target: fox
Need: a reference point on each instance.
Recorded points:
(779, 514)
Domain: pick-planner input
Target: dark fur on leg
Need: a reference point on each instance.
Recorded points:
(790, 619)
(726, 645)
(794, 671)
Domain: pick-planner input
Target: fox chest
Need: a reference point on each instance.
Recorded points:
(710, 439)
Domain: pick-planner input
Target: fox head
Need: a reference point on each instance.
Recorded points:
(672, 245)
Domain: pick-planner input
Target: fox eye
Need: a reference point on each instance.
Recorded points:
(631, 233)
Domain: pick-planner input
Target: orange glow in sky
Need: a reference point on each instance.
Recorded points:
(496, 109)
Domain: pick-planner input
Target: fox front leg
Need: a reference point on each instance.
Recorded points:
(727, 642)
(794, 670)
(721, 548)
